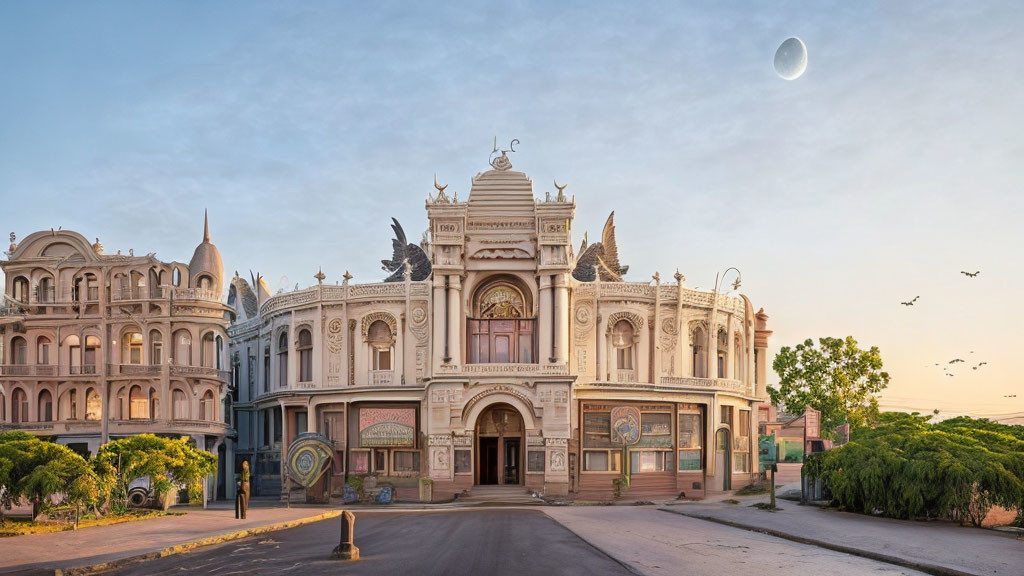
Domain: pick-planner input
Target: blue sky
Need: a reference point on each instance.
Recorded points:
(891, 165)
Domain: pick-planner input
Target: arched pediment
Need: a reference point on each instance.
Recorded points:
(385, 317)
(636, 320)
(55, 244)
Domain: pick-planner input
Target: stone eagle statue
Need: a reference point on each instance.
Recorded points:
(603, 254)
(404, 250)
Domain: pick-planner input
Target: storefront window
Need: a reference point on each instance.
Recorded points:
(360, 462)
(407, 461)
(690, 438)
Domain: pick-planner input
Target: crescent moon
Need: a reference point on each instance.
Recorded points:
(560, 188)
(438, 186)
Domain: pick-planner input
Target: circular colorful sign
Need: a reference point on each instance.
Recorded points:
(309, 456)
(625, 421)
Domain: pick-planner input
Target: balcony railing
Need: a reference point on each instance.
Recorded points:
(17, 370)
(622, 375)
(708, 383)
(84, 370)
(134, 369)
(46, 370)
(195, 294)
(12, 310)
(200, 371)
(381, 377)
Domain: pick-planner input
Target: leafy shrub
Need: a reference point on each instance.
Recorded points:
(906, 467)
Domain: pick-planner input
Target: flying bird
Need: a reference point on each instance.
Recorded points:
(955, 360)
(950, 375)
(970, 274)
(911, 303)
(1009, 396)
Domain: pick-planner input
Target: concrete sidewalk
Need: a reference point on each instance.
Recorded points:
(44, 553)
(933, 547)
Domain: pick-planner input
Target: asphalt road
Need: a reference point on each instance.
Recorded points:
(491, 542)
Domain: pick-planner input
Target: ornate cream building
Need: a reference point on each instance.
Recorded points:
(98, 346)
(495, 354)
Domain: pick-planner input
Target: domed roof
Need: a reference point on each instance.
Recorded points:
(206, 257)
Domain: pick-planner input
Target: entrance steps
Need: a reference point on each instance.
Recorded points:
(500, 496)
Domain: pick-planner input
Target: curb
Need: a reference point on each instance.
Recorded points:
(189, 546)
(934, 569)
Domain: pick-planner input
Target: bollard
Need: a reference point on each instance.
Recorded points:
(346, 550)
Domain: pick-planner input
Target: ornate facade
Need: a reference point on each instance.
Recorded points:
(502, 358)
(98, 346)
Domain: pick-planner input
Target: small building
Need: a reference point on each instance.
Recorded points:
(494, 353)
(98, 346)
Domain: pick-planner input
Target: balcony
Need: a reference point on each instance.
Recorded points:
(719, 384)
(505, 369)
(84, 370)
(381, 378)
(200, 371)
(11, 310)
(133, 369)
(28, 370)
(622, 375)
(201, 294)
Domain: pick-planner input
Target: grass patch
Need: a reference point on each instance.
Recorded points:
(752, 490)
(765, 506)
(20, 526)
(731, 501)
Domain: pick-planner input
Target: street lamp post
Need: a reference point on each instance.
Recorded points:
(712, 333)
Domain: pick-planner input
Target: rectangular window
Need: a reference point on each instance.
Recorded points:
(380, 461)
(649, 461)
(727, 415)
(741, 462)
(301, 422)
(158, 354)
(501, 350)
(690, 438)
(360, 461)
(407, 461)
(44, 354)
(721, 365)
(463, 462)
(535, 461)
(334, 427)
(277, 425)
(624, 358)
(602, 460)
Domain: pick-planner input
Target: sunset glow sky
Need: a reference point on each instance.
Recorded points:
(893, 163)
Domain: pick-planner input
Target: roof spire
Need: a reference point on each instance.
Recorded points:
(206, 225)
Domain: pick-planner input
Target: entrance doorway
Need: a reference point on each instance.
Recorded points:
(499, 446)
(723, 467)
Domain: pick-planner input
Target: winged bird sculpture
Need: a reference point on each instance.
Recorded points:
(405, 251)
(911, 303)
(970, 274)
(604, 255)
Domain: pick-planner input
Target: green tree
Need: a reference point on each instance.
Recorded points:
(38, 471)
(167, 461)
(835, 377)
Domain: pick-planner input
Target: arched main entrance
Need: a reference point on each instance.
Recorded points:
(500, 443)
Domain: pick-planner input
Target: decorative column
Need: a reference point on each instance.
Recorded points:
(561, 311)
(599, 348)
(545, 338)
(454, 319)
(655, 330)
(438, 306)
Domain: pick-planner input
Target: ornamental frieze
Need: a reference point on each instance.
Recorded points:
(385, 317)
(636, 320)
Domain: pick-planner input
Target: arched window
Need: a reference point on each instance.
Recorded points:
(122, 405)
(93, 405)
(19, 406)
(305, 349)
(131, 348)
(737, 360)
(154, 404)
(208, 351)
(3, 406)
(282, 360)
(176, 277)
(179, 405)
(381, 340)
(699, 356)
(20, 286)
(43, 350)
(207, 408)
(723, 350)
(502, 328)
(74, 354)
(266, 368)
(139, 403)
(623, 342)
(44, 291)
(19, 350)
(156, 347)
(89, 360)
(204, 282)
(219, 352)
(73, 404)
(45, 406)
(182, 348)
